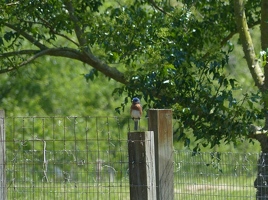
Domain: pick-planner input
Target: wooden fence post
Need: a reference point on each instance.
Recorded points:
(160, 122)
(141, 165)
(3, 195)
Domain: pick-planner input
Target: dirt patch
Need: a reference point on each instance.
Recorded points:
(203, 187)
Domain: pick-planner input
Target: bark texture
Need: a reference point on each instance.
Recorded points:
(261, 181)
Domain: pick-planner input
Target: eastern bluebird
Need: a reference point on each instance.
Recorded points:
(136, 111)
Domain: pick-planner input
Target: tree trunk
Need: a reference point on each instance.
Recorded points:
(261, 182)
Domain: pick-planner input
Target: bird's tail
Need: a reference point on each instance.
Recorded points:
(136, 124)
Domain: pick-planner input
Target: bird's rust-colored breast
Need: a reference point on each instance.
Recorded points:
(136, 107)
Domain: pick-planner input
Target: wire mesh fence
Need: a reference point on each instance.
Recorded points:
(215, 175)
(67, 158)
(87, 158)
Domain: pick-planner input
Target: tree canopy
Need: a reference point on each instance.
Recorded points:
(172, 54)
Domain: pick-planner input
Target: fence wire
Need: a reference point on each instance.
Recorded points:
(87, 158)
(67, 158)
(214, 175)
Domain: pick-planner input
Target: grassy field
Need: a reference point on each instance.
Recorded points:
(185, 187)
(205, 176)
(226, 188)
(70, 191)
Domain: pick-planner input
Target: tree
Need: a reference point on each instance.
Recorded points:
(56, 89)
(258, 75)
(172, 54)
(41, 24)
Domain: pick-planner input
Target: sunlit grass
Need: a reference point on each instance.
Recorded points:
(186, 188)
(72, 191)
(223, 188)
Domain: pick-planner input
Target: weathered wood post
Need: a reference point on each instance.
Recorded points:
(3, 191)
(160, 122)
(141, 165)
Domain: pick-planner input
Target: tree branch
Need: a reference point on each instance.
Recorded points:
(228, 37)
(84, 55)
(264, 38)
(88, 57)
(27, 36)
(22, 52)
(262, 138)
(46, 24)
(247, 44)
(264, 45)
(159, 8)
(67, 53)
(77, 28)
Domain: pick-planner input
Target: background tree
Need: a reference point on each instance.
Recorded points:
(56, 89)
(173, 54)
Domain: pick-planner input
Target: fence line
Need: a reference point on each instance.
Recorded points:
(87, 158)
(67, 158)
(3, 193)
(214, 175)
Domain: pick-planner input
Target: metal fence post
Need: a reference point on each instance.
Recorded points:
(141, 165)
(3, 195)
(160, 122)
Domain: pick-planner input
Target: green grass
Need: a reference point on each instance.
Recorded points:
(70, 191)
(221, 188)
(185, 187)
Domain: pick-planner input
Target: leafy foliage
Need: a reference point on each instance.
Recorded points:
(185, 73)
(57, 89)
(172, 55)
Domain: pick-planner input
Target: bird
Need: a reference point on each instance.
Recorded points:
(136, 111)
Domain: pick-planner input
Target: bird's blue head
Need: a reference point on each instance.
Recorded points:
(135, 100)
